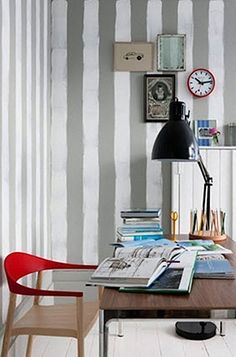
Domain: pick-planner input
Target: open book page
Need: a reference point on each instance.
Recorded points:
(159, 252)
(138, 266)
(130, 268)
(177, 278)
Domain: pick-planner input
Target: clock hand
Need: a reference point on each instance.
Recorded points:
(199, 82)
(206, 82)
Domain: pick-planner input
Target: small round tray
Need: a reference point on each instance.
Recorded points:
(208, 235)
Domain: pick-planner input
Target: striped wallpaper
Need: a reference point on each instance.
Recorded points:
(97, 143)
(25, 129)
(108, 144)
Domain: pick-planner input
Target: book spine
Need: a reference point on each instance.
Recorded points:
(140, 227)
(139, 231)
(139, 237)
(151, 233)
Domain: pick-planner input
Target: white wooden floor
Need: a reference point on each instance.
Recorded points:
(141, 338)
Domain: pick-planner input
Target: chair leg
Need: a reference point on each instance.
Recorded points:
(8, 327)
(80, 346)
(80, 333)
(29, 346)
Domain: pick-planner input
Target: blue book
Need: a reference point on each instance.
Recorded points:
(133, 230)
(153, 236)
(213, 268)
(144, 243)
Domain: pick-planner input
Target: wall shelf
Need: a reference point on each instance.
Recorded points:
(217, 147)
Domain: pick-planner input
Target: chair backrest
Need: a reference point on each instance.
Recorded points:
(19, 264)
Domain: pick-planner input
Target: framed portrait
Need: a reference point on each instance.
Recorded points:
(171, 52)
(159, 91)
(133, 56)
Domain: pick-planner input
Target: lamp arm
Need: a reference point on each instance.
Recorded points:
(206, 200)
(206, 176)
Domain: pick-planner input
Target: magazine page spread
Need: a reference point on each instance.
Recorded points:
(134, 266)
(135, 271)
(160, 252)
(176, 279)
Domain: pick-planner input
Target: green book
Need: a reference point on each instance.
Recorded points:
(176, 279)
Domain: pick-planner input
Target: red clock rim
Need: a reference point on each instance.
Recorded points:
(213, 77)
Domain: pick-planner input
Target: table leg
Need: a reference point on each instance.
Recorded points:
(103, 335)
(222, 328)
(120, 328)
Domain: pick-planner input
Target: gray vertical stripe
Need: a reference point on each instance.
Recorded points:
(229, 61)
(106, 128)
(24, 172)
(24, 131)
(75, 132)
(200, 51)
(169, 16)
(137, 125)
(169, 26)
(41, 127)
(49, 128)
(33, 126)
(12, 114)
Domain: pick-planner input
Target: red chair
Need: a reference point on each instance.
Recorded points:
(68, 320)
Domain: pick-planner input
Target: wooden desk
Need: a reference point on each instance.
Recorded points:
(206, 294)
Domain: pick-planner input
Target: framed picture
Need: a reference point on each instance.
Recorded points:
(203, 131)
(133, 56)
(159, 91)
(171, 52)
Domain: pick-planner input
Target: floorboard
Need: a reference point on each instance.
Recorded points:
(141, 338)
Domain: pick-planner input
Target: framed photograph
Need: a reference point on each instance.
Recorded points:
(203, 131)
(159, 91)
(133, 56)
(171, 52)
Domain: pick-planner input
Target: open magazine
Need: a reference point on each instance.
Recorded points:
(176, 279)
(204, 247)
(135, 266)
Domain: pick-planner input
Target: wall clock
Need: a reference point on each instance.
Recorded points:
(201, 82)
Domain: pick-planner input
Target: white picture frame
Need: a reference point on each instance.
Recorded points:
(171, 52)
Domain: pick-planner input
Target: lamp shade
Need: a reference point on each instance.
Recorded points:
(176, 140)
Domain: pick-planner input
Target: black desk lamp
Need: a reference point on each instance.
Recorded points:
(176, 142)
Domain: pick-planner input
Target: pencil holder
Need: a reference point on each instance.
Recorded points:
(212, 235)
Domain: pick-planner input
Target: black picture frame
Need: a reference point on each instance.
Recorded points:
(159, 91)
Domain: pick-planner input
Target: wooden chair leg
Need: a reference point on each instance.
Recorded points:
(29, 346)
(80, 344)
(80, 335)
(8, 327)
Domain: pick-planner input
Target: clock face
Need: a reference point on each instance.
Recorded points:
(201, 82)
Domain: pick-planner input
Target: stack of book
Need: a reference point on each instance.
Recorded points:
(140, 224)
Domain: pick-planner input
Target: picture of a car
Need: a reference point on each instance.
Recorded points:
(133, 55)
